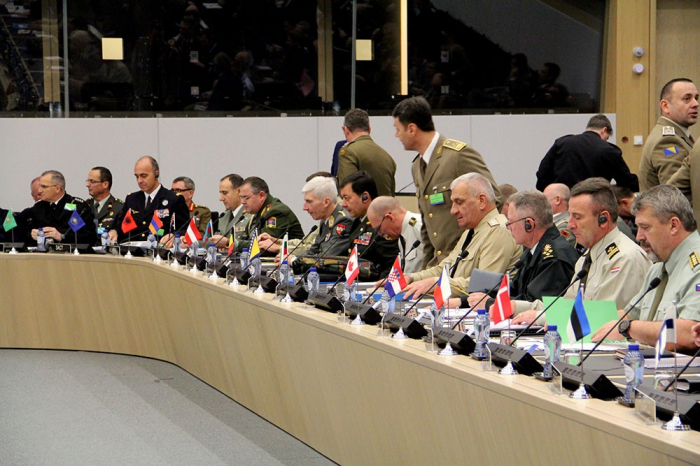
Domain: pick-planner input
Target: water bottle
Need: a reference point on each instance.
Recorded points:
(257, 267)
(312, 280)
(152, 241)
(40, 241)
(387, 302)
(244, 258)
(177, 244)
(634, 371)
(105, 239)
(481, 333)
(552, 350)
(211, 255)
(350, 293)
(283, 275)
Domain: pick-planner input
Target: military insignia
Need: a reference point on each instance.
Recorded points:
(668, 131)
(694, 260)
(565, 233)
(331, 221)
(615, 270)
(413, 221)
(494, 222)
(547, 252)
(271, 222)
(342, 151)
(162, 213)
(165, 202)
(328, 236)
(697, 287)
(454, 145)
(339, 229)
(364, 239)
(69, 207)
(612, 250)
(673, 150)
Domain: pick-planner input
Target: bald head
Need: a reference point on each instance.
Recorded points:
(558, 197)
(386, 212)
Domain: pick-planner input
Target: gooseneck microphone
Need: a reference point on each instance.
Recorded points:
(579, 276)
(652, 285)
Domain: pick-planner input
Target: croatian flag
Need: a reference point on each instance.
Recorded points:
(396, 281)
(443, 291)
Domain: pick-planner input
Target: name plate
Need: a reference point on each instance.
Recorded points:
(59, 248)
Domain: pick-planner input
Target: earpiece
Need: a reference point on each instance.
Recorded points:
(602, 218)
(157, 173)
(528, 225)
(364, 197)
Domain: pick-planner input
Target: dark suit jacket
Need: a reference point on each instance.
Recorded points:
(574, 158)
(44, 214)
(165, 202)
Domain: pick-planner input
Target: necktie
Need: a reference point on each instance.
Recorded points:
(423, 167)
(402, 241)
(148, 202)
(692, 140)
(658, 294)
(587, 267)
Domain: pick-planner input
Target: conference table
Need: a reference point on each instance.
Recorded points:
(347, 391)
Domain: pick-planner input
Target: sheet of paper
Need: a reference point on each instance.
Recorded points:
(598, 313)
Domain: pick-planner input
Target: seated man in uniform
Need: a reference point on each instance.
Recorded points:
(487, 242)
(665, 220)
(269, 214)
(548, 259)
(321, 202)
(152, 199)
(53, 212)
(104, 206)
(357, 192)
(391, 220)
(234, 220)
(185, 187)
(616, 265)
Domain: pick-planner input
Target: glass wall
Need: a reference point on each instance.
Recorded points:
(272, 57)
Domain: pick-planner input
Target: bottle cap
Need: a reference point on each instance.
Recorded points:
(313, 269)
(284, 262)
(177, 235)
(245, 249)
(211, 244)
(633, 347)
(551, 328)
(481, 311)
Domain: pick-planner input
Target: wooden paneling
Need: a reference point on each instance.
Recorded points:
(352, 395)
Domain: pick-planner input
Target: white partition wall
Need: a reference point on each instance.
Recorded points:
(283, 151)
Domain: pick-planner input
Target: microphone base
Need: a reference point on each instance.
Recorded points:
(688, 406)
(298, 292)
(522, 361)
(597, 384)
(411, 327)
(268, 284)
(367, 313)
(325, 302)
(460, 341)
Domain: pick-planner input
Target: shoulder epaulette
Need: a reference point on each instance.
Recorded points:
(668, 131)
(694, 260)
(78, 199)
(116, 199)
(494, 222)
(612, 250)
(413, 221)
(454, 144)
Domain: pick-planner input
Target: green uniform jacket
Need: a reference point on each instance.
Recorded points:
(273, 218)
(202, 216)
(663, 154)
(108, 213)
(364, 154)
(449, 160)
(382, 252)
(333, 236)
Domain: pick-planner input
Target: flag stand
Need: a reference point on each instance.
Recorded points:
(508, 369)
(352, 294)
(12, 233)
(156, 258)
(675, 424)
(580, 393)
(76, 252)
(128, 254)
(447, 351)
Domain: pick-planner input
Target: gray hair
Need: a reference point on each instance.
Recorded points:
(533, 204)
(476, 184)
(323, 187)
(56, 177)
(665, 202)
(385, 204)
(189, 184)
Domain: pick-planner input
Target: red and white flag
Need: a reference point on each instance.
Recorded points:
(193, 233)
(443, 290)
(396, 281)
(352, 270)
(502, 308)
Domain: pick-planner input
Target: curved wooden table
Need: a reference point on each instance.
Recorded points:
(353, 396)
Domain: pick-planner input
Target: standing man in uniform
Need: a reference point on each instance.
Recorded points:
(439, 162)
(153, 198)
(233, 221)
(269, 214)
(184, 186)
(360, 152)
(53, 212)
(670, 142)
(391, 220)
(666, 223)
(105, 207)
(616, 265)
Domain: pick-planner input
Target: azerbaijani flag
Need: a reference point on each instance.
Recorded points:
(208, 233)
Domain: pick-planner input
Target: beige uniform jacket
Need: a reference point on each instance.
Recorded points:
(687, 179)
(365, 154)
(449, 160)
(663, 154)
(492, 249)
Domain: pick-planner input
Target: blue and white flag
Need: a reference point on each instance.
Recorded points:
(578, 323)
(667, 334)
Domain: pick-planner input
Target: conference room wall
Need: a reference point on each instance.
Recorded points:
(283, 151)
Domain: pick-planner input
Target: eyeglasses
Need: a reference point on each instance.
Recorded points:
(93, 181)
(47, 186)
(516, 221)
(180, 191)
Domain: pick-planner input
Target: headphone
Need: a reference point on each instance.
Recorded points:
(364, 197)
(602, 218)
(157, 173)
(528, 225)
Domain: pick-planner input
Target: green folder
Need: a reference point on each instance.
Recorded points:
(598, 313)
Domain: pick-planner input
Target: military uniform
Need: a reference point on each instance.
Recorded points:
(333, 236)
(382, 253)
(546, 272)
(683, 268)
(47, 214)
(491, 248)
(449, 160)
(663, 154)
(364, 154)
(164, 203)
(561, 221)
(617, 270)
(202, 216)
(410, 233)
(104, 217)
(688, 180)
(274, 218)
